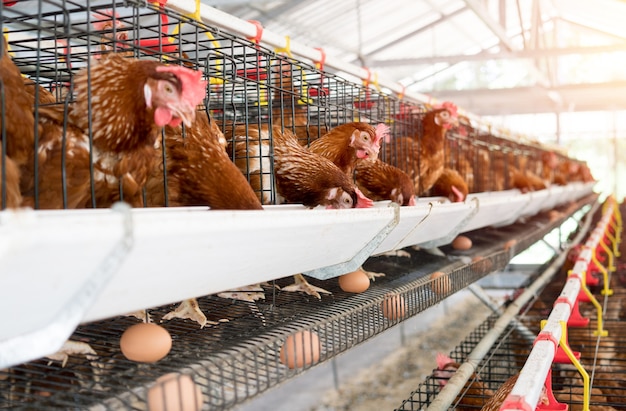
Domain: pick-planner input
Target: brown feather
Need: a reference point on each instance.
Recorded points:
(443, 186)
(380, 181)
(18, 118)
(305, 177)
(10, 182)
(337, 145)
(421, 156)
(124, 137)
(199, 172)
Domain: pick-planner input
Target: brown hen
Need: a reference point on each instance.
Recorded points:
(199, 171)
(131, 100)
(450, 184)
(423, 157)
(348, 143)
(380, 181)
(18, 125)
(307, 178)
(17, 116)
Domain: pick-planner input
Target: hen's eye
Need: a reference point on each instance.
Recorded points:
(366, 137)
(169, 89)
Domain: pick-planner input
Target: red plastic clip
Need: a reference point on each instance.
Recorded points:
(552, 404)
(367, 103)
(560, 357)
(320, 90)
(575, 318)
(259, 32)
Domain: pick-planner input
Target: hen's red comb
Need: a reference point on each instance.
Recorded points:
(101, 22)
(451, 107)
(194, 88)
(382, 132)
(443, 360)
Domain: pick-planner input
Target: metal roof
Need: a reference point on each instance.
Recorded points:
(491, 57)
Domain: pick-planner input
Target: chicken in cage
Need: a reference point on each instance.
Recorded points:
(132, 101)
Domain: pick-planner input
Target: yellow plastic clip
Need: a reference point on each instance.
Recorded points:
(617, 229)
(606, 290)
(197, 17)
(375, 82)
(286, 49)
(583, 286)
(576, 363)
(6, 37)
(613, 241)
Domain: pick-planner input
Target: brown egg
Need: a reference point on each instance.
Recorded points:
(393, 307)
(145, 342)
(300, 349)
(482, 264)
(510, 245)
(354, 282)
(440, 283)
(175, 392)
(462, 243)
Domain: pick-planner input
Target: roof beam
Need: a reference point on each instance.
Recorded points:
(412, 34)
(592, 28)
(493, 25)
(526, 100)
(522, 54)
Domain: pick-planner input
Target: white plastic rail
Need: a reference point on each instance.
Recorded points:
(527, 390)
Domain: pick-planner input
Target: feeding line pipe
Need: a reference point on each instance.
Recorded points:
(453, 387)
(527, 390)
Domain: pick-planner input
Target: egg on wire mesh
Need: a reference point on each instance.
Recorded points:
(462, 242)
(354, 282)
(440, 283)
(175, 392)
(393, 307)
(145, 342)
(300, 349)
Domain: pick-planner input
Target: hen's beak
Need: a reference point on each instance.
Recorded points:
(185, 112)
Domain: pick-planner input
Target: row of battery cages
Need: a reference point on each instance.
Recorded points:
(249, 85)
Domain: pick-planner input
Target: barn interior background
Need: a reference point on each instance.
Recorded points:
(532, 85)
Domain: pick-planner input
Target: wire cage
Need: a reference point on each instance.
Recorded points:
(238, 354)
(250, 87)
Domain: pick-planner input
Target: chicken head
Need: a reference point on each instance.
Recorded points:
(366, 144)
(174, 92)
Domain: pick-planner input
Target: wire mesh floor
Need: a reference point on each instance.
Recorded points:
(236, 356)
(603, 358)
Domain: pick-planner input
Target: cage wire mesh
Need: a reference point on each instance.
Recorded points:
(250, 86)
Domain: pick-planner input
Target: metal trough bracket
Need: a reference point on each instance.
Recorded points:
(335, 270)
(448, 238)
(48, 339)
